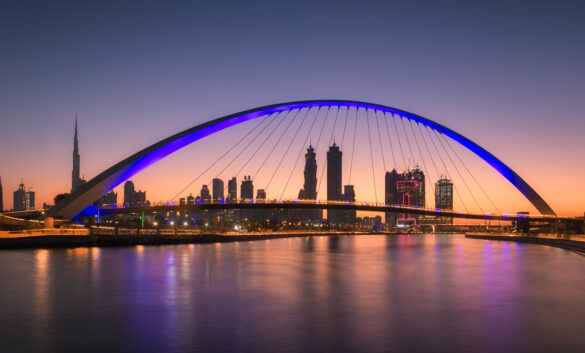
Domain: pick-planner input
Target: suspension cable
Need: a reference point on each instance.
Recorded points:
(344, 126)
(353, 145)
(428, 151)
(446, 171)
(422, 159)
(399, 141)
(300, 152)
(468, 171)
(407, 139)
(330, 140)
(280, 120)
(371, 156)
(276, 144)
(253, 140)
(266, 118)
(380, 140)
(458, 172)
(390, 140)
(288, 148)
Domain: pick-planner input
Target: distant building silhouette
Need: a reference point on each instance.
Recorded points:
(247, 189)
(133, 198)
(334, 168)
(349, 216)
(190, 200)
(129, 192)
(217, 187)
(444, 194)
(111, 198)
(1, 198)
(309, 190)
(261, 195)
(444, 197)
(76, 180)
(406, 189)
(232, 193)
(24, 200)
(205, 195)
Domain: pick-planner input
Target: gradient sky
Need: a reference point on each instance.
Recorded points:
(508, 75)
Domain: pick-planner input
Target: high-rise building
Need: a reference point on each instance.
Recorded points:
(76, 180)
(232, 194)
(334, 168)
(349, 216)
(111, 198)
(444, 194)
(406, 189)
(309, 190)
(190, 200)
(133, 197)
(1, 199)
(205, 195)
(217, 188)
(247, 189)
(444, 197)
(24, 200)
(129, 193)
(261, 194)
(334, 173)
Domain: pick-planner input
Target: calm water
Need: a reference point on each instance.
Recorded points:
(313, 294)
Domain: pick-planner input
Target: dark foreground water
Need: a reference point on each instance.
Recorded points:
(314, 294)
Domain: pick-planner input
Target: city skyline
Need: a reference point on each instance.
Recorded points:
(498, 94)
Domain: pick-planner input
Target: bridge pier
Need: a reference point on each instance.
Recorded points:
(522, 223)
(49, 222)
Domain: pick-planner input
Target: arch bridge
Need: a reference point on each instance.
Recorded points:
(79, 202)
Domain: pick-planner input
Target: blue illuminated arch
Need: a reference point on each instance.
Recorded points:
(117, 174)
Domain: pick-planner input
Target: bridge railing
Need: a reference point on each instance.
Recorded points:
(276, 202)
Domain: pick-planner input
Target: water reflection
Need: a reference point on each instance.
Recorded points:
(339, 293)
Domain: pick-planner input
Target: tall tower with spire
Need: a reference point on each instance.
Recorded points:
(309, 190)
(76, 180)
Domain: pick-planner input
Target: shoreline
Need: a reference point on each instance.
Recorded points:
(577, 245)
(101, 240)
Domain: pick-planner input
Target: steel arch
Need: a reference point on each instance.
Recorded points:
(78, 201)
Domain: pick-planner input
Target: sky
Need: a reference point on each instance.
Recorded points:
(507, 74)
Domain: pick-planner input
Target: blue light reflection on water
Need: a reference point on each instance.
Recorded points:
(342, 293)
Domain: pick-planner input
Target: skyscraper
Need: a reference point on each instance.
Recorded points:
(217, 188)
(309, 190)
(444, 194)
(349, 216)
(111, 198)
(232, 194)
(261, 194)
(129, 193)
(23, 200)
(334, 173)
(406, 189)
(444, 198)
(1, 199)
(247, 189)
(76, 180)
(205, 195)
(334, 159)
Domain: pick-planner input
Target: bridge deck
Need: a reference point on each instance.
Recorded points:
(329, 205)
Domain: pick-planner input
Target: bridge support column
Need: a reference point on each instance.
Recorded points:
(522, 223)
(49, 222)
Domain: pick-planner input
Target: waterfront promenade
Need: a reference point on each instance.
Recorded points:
(49, 238)
(573, 242)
